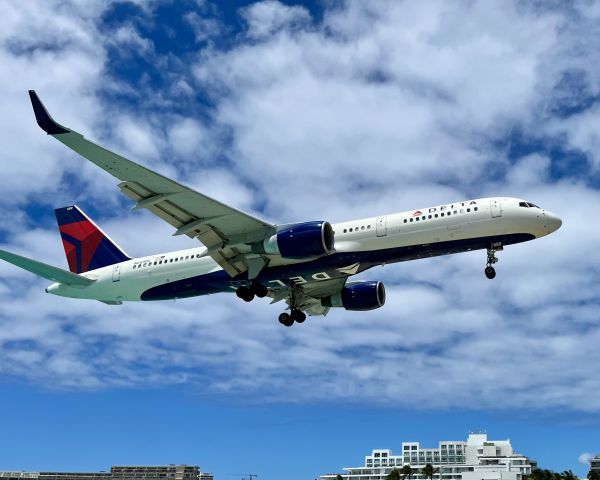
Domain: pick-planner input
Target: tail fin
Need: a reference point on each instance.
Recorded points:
(86, 246)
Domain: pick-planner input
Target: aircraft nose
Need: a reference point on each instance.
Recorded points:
(553, 223)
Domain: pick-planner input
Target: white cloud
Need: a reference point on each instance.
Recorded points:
(585, 458)
(268, 17)
(382, 107)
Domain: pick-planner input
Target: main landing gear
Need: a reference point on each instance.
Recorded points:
(490, 271)
(247, 293)
(295, 315)
(256, 289)
(289, 319)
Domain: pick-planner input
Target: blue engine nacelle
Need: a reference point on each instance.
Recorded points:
(302, 240)
(358, 296)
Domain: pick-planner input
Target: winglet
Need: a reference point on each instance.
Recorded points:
(43, 118)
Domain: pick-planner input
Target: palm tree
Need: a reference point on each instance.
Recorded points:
(569, 475)
(536, 474)
(339, 477)
(407, 472)
(428, 471)
(393, 475)
(593, 475)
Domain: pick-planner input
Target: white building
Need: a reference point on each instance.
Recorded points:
(476, 459)
(595, 463)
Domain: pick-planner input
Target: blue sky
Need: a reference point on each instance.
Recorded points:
(295, 111)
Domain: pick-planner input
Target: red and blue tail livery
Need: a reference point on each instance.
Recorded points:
(86, 246)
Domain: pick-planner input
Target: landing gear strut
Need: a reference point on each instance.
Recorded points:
(247, 293)
(490, 271)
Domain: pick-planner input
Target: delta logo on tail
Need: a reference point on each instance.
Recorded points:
(86, 246)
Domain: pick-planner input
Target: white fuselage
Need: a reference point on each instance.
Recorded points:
(442, 226)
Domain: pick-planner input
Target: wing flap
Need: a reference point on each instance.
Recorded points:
(307, 297)
(44, 270)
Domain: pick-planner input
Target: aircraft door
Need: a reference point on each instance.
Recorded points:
(116, 273)
(496, 207)
(381, 226)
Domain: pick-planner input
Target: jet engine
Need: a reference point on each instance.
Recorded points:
(301, 240)
(358, 296)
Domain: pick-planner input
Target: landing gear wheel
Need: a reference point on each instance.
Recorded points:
(286, 319)
(298, 315)
(245, 293)
(490, 272)
(258, 289)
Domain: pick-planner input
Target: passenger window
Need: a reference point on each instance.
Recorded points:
(405, 220)
(429, 217)
(170, 260)
(455, 212)
(423, 217)
(197, 255)
(176, 259)
(442, 214)
(468, 210)
(436, 215)
(448, 213)
(475, 209)
(187, 257)
(350, 230)
(411, 219)
(154, 263)
(362, 228)
(417, 219)
(368, 227)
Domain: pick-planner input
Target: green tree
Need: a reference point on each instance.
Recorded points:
(536, 474)
(339, 477)
(569, 475)
(428, 471)
(407, 472)
(593, 475)
(393, 475)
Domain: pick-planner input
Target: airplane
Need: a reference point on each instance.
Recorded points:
(306, 264)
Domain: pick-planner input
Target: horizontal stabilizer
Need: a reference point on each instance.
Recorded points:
(44, 270)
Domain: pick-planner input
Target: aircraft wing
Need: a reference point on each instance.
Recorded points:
(218, 226)
(307, 297)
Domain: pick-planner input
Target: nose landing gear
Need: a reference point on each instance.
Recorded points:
(490, 271)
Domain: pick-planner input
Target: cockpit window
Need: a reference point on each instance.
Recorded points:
(528, 205)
